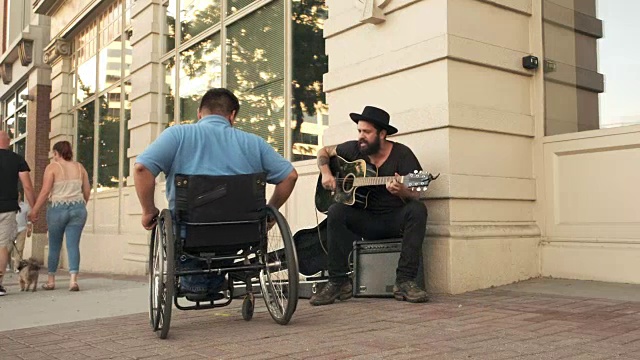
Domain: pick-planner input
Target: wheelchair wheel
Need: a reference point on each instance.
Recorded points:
(279, 277)
(161, 274)
(248, 305)
(154, 283)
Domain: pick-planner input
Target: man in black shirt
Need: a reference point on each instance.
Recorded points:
(13, 167)
(391, 211)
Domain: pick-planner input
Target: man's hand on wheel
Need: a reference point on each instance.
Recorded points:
(149, 218)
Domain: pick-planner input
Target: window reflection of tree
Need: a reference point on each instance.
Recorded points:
(195, 21)
(109, 139)
(256, 72)
(169, 94)
(309, 63)
(200, 70)
(84, 153)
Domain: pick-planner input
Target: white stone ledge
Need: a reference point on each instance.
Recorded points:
(575, 76)
(487, 55)
(459, 186)
(596, 240)
(520, 6)
(419, 54)
(486, 119)
(482, 231)
(136, 258)
(571, 19)
(443, 47)
(349, 19)
(449, 115)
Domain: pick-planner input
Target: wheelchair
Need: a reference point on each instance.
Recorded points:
(224, 223)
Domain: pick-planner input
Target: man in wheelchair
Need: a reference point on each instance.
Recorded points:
(212, 146)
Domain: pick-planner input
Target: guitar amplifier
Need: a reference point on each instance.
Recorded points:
(374, 267)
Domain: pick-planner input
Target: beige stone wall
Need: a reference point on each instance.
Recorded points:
(593, 225)
(461, 99)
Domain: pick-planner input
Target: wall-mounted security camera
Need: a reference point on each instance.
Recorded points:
(26, 97)
(530, 62)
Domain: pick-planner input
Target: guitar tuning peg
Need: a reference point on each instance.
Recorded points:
(415, 171)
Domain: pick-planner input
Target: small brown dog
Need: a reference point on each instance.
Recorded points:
(29, 271)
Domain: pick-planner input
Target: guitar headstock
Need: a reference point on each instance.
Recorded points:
(419, 180)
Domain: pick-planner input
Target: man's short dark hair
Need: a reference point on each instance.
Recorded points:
(220, 101)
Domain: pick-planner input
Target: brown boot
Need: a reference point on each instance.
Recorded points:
(409, 291)
(332, 291)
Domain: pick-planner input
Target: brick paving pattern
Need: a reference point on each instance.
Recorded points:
(486, 324)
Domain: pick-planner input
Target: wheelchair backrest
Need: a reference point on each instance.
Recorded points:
(220, 211)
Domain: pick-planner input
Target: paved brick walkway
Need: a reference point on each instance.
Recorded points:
(487, 324)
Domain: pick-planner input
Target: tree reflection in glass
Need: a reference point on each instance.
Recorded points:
(84, 153)
(234, 6)
(109, 139)
(21, 122)
(170, 26)
(127, 133)
(169, 91)
(197, 16)
(255, 64)
(200, 70)
(309, 65)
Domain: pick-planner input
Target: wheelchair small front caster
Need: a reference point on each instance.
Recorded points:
(247, 307)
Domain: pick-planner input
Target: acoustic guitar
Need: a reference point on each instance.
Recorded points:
(353, 178)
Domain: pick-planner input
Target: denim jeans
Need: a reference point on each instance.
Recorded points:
(69, 220)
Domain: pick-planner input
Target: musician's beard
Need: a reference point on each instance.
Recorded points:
(369, 148)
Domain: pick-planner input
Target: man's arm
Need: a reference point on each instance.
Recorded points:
(283, 190)
(25, 179)
(47, 185)
(145, 184)
(324, 156)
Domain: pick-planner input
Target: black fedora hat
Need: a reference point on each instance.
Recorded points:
(376, 116)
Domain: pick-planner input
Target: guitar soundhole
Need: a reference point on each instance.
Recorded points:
(347, 183)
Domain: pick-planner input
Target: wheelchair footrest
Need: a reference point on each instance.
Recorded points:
(204, 297)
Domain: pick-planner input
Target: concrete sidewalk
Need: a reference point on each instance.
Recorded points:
(100, 296)
(537, 319)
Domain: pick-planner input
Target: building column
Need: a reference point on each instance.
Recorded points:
(458, 94)
(146, 118)
(58, 57)
(38, 148)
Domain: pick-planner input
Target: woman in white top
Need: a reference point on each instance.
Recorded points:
(66, 186)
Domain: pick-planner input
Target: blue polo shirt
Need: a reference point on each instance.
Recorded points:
(211, 147)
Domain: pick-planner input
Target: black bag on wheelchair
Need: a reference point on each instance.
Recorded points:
(220, 212)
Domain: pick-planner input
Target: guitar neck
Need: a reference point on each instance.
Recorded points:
(372, 181)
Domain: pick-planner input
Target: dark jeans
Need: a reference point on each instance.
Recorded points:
(346, 224)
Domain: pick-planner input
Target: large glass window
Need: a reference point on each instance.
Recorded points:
(309, 63)
(234, 6)
(85, 116)
(197, 16)
(248, 50)
(14, 121)
(110, 105)
(200, 70)
(255, 68)
(101, 74)
(590, 64)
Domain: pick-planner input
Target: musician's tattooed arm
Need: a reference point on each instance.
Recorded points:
(324, 155)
